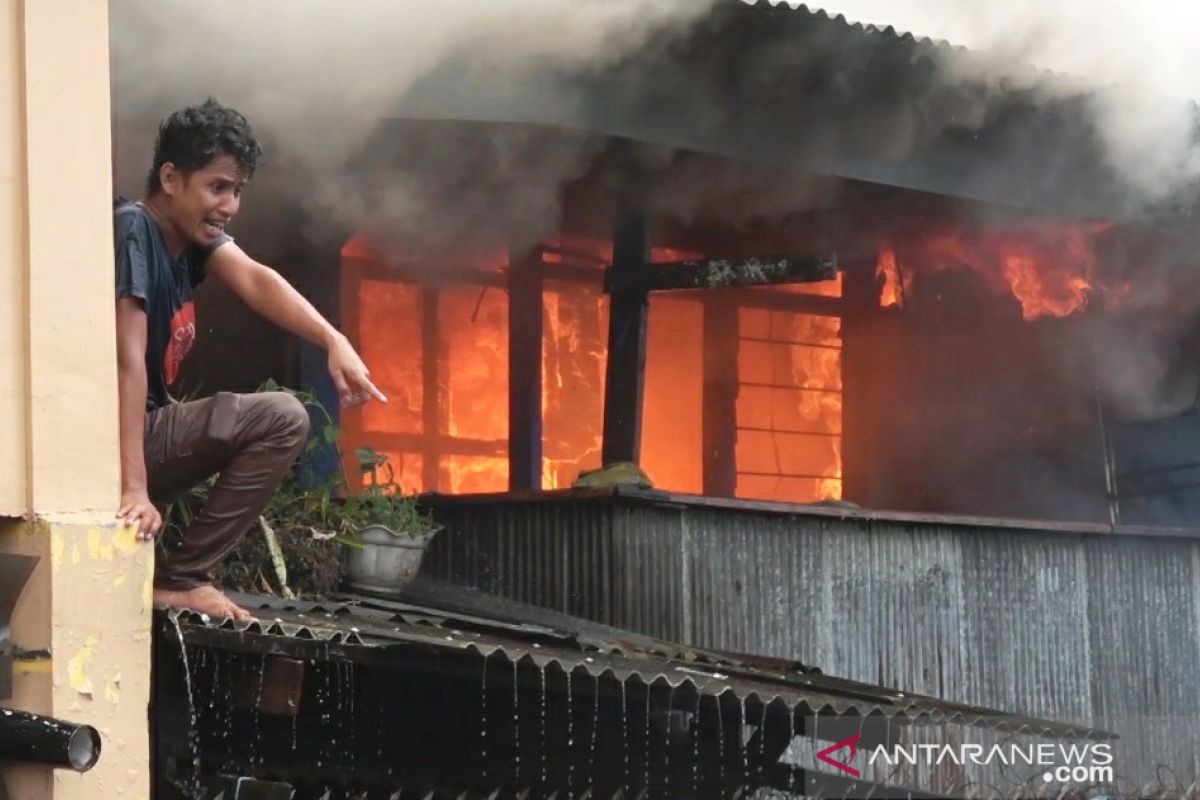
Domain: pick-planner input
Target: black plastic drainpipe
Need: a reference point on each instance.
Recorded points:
(35, 739)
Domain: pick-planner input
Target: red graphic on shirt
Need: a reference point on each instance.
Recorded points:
(183, 335)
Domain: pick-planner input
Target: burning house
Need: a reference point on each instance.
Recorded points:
(781, 335)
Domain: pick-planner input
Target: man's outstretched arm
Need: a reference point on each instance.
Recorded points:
(265, 291)
(136, 508)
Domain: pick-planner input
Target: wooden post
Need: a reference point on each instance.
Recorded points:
(625, 373)
(431, 360)
(860, 428)
(720, 397)
(524, 372)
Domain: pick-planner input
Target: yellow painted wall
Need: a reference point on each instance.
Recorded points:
(14, 387)
(88, 602)
(72, 336)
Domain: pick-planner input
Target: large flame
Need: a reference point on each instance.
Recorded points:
(1050, 269)
(788, 425)
(892, 285)
(574, 350)
(789, 406)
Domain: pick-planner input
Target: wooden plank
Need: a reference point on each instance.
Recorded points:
(625, 373)
(722, 273)
(431, 399)
(524, 372)
(720, 398)
(864, 417)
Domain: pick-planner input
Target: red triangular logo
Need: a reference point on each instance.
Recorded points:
(844, 766)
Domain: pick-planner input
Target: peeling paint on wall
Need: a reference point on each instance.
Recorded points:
(148, 591)
(77, 668)
(58, 548)
(125, 539)
(112, 689)
(98, 549)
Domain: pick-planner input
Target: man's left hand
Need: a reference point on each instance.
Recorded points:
(350, 375)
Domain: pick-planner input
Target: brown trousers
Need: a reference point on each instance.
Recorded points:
(251, 440)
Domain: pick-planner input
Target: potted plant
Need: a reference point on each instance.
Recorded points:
(318, 529)
(391, 530)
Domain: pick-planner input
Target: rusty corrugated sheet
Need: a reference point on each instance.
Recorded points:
(1073, 623)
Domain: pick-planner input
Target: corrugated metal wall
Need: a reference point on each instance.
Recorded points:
(1101, 629)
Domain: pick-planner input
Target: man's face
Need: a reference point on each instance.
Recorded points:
(203, 203)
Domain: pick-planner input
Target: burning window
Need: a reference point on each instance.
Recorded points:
(575, 339)
(789, 406)
(1051, 269)
(442, 428)
(672, 412)
(440, 352)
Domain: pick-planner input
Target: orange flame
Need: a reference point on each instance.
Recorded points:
(573, 362)
(789, 370)
(893, 287)
(1050, 269)
(789, 406)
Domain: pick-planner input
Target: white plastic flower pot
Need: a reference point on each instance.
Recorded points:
(386, 561)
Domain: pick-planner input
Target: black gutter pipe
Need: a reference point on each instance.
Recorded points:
(35, 739)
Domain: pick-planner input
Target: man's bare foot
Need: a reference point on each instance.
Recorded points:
(206, 599)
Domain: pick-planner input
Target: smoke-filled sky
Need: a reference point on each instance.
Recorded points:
(1139, 55)
(281, 59)
(352, 61)
(1152, 44)
(316, 77)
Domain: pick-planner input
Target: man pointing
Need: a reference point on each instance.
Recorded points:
(165, 246)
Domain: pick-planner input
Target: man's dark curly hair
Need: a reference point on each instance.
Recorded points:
(192, 137)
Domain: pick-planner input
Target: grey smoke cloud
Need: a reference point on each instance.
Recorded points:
(316, 78)
(359, 57)
(1141, 62)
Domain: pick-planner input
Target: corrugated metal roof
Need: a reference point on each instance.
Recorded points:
(770, 84)
(453, 620)
(866, 29)
(1076, 622)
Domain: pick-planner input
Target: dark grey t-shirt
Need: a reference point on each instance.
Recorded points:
(146, 271)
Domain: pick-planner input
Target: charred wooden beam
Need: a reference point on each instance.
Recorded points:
(865, 421)
(431, 358)
(723, 273)
(625, 372)
(719, 407)
(524, 373)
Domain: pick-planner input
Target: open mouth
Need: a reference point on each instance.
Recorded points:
(213, 229)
